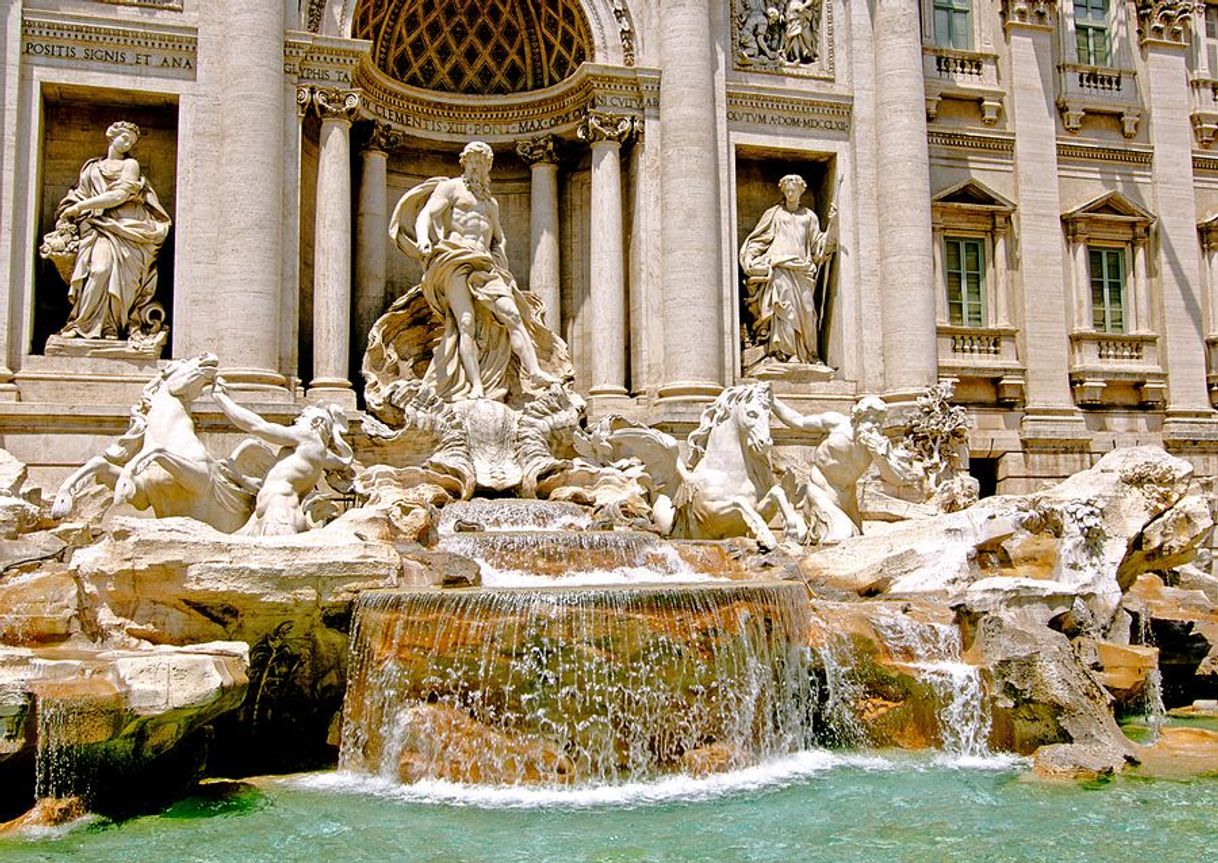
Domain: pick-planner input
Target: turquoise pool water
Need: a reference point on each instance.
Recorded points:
(813, 807)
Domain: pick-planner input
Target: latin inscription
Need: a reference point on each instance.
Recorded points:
(795, 121)
(107, 56)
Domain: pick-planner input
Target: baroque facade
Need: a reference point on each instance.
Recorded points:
(1019, 197)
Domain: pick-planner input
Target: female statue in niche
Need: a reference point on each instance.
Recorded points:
(782, 258)
(109, 229)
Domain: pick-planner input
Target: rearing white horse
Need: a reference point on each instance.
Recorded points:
(727, 488)
(160, 463)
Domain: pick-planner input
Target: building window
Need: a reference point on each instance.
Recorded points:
(964, 272)
(953, 24)
(1210, 42)
(1107, 288)
(1092, 30)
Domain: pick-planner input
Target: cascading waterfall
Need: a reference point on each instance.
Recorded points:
(542, 553)
(576, 686)
(932, 650)
(1153, 708)
(514, 514)
(841, 692)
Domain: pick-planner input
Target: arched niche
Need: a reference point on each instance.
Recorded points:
(611, 24)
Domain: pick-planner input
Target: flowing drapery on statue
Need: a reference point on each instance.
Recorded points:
(503, 350)
(782, 258)
(109, 229)
(463, 382)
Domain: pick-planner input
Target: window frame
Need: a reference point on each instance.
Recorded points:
(1086, 30)
(966, 304)
(953, 11)
(1101, 284)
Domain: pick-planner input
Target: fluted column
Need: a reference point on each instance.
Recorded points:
(605, 133)
(1047, 312)
(372, 232)
(244, 327)
(539, 155)
(906, 265)
(332, 249)
(692, 265)
(1164, 28)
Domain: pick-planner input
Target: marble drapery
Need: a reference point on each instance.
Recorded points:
(115, 277)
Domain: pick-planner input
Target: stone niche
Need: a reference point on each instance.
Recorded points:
(757, 174)
(74, 126)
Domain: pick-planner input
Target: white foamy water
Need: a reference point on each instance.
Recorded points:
(934, 648)
(495, 577)
(777, 773)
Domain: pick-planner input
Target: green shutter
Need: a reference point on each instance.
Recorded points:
(1092, 31)
(964, 280)
(953, 24)
(1107, 289)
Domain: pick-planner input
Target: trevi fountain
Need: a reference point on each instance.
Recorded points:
(478, 609)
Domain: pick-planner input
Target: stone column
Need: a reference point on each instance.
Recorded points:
(906, 267)
(243, 322)
(692, 266)
(605, 133)
(539, 155)
(372, 232)
(332, 249)
(942, 312)
(1050, 414)
(1143, 322)
(1163, 28)
(1002, 300)
(1080, 294)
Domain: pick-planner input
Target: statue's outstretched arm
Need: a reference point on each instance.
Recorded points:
(811, 422)
(248, 421)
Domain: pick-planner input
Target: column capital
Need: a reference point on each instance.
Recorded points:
(1029, 13)
(1167, 21)
(382, 137)
(598, 126)
(329, 103)
(538, 150)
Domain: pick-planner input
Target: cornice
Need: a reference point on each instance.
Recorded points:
(1077, 152)
(561, 108)
(987, 143)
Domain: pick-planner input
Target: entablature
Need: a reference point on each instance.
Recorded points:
(633, 91)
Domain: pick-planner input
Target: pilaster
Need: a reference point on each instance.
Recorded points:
(332, 248)
(692, 265)
(248, 199)
(1164, 30)
(606, 133)
(372, 231)
(907, 266)
(540, 155)
(1050, 418)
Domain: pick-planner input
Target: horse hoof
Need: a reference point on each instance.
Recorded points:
(61, 507)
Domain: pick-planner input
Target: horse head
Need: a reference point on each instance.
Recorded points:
(186, 379)
(747, 408)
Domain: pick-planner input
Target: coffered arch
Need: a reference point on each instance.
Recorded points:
(613, 36)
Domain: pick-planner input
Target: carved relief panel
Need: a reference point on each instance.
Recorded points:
(791, 37)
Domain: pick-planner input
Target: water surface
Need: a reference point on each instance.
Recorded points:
(815, 806)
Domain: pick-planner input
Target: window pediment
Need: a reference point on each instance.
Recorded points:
(1110, 216)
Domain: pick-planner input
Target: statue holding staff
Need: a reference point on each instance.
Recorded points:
(782, 259)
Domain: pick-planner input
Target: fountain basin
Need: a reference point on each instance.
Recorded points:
(576, 685)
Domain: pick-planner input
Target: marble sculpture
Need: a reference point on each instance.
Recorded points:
(852, 445)
(782, 259)
(108, 231)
